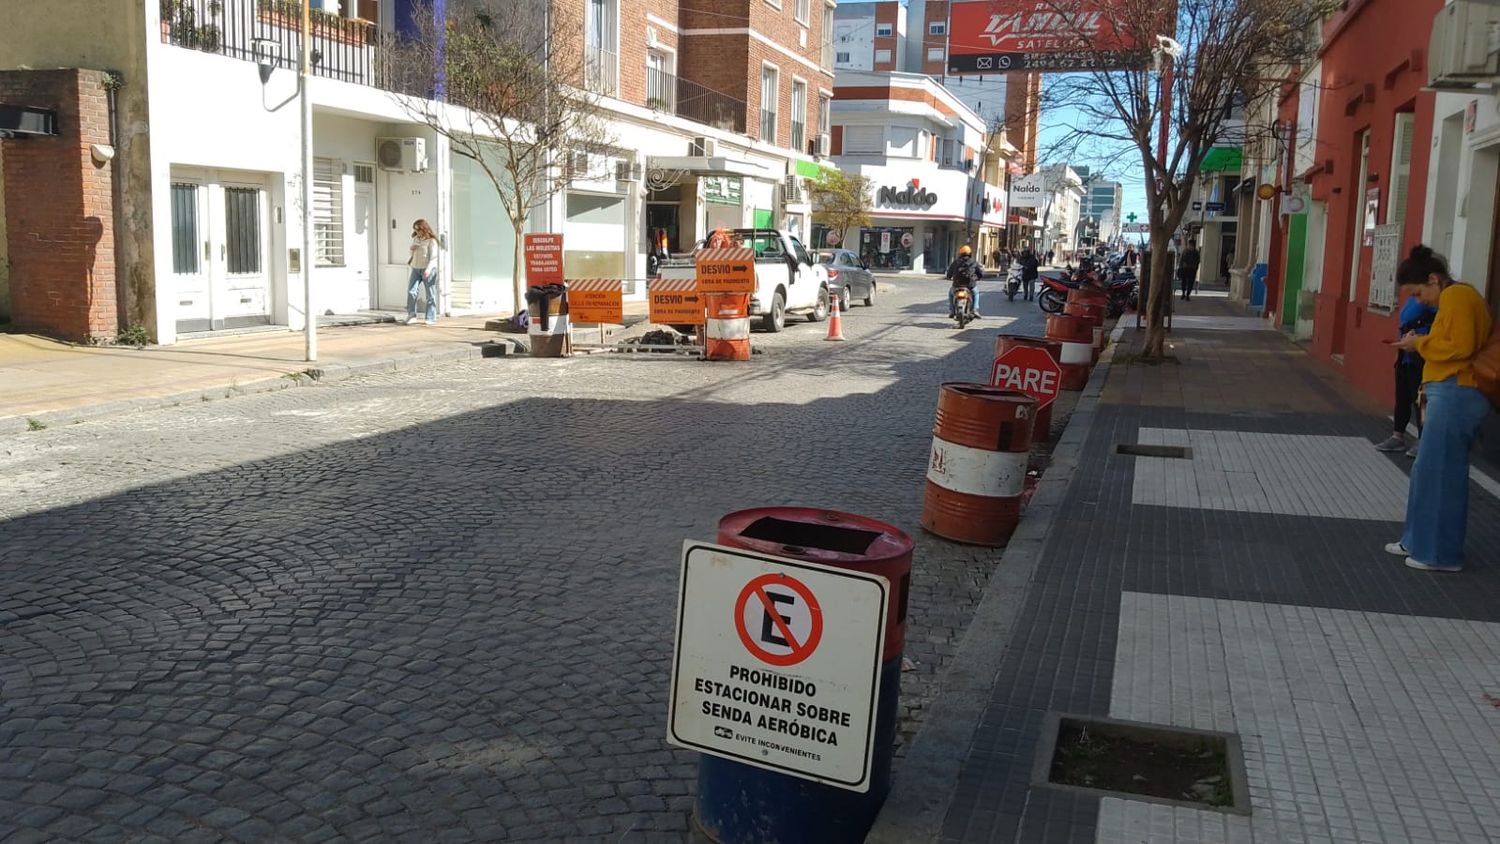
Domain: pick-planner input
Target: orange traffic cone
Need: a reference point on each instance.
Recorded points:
(835, 325)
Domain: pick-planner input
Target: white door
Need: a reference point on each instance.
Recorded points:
(191, 251)
(360, 243)
(242, 288)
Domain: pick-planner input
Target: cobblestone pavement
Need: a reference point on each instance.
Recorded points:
(431, 605)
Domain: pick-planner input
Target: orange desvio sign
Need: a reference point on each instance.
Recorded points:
(726, 271)
(544, 259)
(600, 300)
(1000, 36)
(675, 302)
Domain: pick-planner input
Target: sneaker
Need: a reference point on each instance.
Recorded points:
(1396, 442)
(1396, 549)
(1413, 563)
(432, 322)
(411, 320)
(1412, 452)
(978, 315)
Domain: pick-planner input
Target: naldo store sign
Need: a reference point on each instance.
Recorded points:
(913, 196)
(1029, 191)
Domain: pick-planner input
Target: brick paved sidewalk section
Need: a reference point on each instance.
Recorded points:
(1241, 588)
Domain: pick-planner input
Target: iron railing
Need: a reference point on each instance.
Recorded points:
(685, 98)
(768, 126)
(269, 32)
(799, 131)
(661, 90)
(601, 71)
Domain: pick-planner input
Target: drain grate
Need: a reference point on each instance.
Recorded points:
(1141, 450)
(1179, 766)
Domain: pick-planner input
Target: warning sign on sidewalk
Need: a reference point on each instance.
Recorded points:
(675, 302)
(729, 270)
(600, 300)
(544, 259)
(777, 663)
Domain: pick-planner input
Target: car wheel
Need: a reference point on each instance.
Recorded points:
(775, 319)
(820, 310)
(846, 300)
(870, 299)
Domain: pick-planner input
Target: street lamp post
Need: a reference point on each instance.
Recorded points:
(305, 69)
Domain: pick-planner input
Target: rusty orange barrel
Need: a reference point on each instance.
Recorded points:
(1096, 315)
(727, 335)
(976, 474)
(547, 327)
(1088, 293)
(1076, 335)
(1041, 426)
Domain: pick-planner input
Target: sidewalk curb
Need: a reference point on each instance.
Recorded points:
(313, 374)
(928, 775)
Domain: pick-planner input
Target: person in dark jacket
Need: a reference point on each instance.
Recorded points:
(1187, 270)
(1415, 317)
(964, 272)
(1030, 267)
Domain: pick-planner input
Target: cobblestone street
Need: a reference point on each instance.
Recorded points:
(438, 604)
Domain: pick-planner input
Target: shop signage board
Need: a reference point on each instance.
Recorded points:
(777, 663)
(885, 241)
(729, 270)
(1029, 191)
(723, 190)
(600, 300)
(675, 302)
(544, 259)
(1000, 36)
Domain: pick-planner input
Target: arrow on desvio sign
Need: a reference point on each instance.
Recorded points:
(1028, 370)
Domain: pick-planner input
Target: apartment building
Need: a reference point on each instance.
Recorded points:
(154, 180)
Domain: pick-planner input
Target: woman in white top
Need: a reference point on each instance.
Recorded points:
(424, 271)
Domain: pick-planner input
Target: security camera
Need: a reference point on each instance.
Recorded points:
(1167, 45)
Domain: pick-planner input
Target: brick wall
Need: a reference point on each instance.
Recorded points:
(888, 13)
(59, 209)
(636, 24)
(937, 12)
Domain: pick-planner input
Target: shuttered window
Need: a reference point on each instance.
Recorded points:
(863, 140)
(242, 244)
(328, 212)
(1401, 149)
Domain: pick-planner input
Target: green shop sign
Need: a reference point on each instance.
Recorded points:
(724, 190)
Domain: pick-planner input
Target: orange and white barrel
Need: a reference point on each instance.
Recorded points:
(555, 340)
(976, 473)
(727, 334)
(1095, 314)
(1076, 335)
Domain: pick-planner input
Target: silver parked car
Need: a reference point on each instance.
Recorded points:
(847, 271)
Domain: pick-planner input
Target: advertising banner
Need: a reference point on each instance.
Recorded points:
(1029, 191)
(999, 36)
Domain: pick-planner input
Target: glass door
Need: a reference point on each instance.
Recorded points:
(241, 258)
(190, 256)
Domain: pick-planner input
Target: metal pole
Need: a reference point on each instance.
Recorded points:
(307, 169)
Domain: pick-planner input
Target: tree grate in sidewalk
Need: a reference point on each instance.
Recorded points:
(1142, 450)
(1197, 769)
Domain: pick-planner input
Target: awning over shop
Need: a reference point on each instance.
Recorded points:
(703, 165)
(1223, 160)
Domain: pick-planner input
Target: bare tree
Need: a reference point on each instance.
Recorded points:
(1224, 49)
(511, 86)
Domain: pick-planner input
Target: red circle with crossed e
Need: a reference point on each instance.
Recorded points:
(798, 648)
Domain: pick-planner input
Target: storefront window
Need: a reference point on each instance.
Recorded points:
(886, 247)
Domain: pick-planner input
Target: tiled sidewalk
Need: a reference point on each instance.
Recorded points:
(1245, 589)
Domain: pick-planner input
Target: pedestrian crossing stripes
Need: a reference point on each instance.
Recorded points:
(1287, 474)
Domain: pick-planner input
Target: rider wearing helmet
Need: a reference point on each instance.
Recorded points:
(964, 272)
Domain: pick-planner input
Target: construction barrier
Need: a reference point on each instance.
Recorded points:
(1095, 315)
(727, 336)
(835, 322)
(1076, 336)
(976, 475)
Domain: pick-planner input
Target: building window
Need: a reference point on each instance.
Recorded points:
(242, 231)
(934, 54)
(882, 56)
(328, 213)
(863, 140)
(882, 30)
(769, 93)
(1401, 147)
(661, 83)
(841, 58)
(825, 113)
(184, 228)
(937, 28)
(802, 11)
(827, 37)
(601, 64)
(799, 115)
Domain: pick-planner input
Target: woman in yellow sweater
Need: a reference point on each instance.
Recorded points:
(1437, 504)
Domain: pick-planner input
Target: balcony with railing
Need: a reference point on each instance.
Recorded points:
(269, 32)
(768, 126)
(601, 71)
(687, 99)
(799, 134)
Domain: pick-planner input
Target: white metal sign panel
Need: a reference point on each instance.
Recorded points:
(777, 663)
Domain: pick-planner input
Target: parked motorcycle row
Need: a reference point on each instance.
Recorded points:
(1113, 277)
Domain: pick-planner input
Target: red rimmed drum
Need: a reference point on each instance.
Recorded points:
(976, 473)
(1095, 314)
(1036, 384)
(1076, 335)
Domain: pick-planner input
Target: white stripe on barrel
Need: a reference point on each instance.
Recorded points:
(556, 324)
(1076, 353)
(975, 471)
(729, 329)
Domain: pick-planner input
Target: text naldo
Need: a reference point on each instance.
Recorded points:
(911, 196)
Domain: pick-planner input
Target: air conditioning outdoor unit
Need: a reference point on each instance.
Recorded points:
(825, 145)
(627, 171)
(705, 147)
(791, 190)
(402, 155)
(1465, 46)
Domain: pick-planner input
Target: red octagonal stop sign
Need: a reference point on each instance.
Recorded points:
(1028, 370)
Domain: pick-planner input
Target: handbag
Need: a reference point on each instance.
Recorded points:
(1487, 369)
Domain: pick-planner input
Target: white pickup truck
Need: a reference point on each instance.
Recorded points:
(787, 279)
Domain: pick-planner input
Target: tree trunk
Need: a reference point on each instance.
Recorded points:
(1158, 296)
(518, 282)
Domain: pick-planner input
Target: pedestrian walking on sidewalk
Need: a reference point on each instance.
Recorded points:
(1437, 503)
(1030, 270)
(1187, 270)
(1415, 317)
(424, 271)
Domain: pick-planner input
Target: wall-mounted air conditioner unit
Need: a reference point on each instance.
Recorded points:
(825, 145)
(1464, 50)
(627, 171)
(402, 155)
(705, 147)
